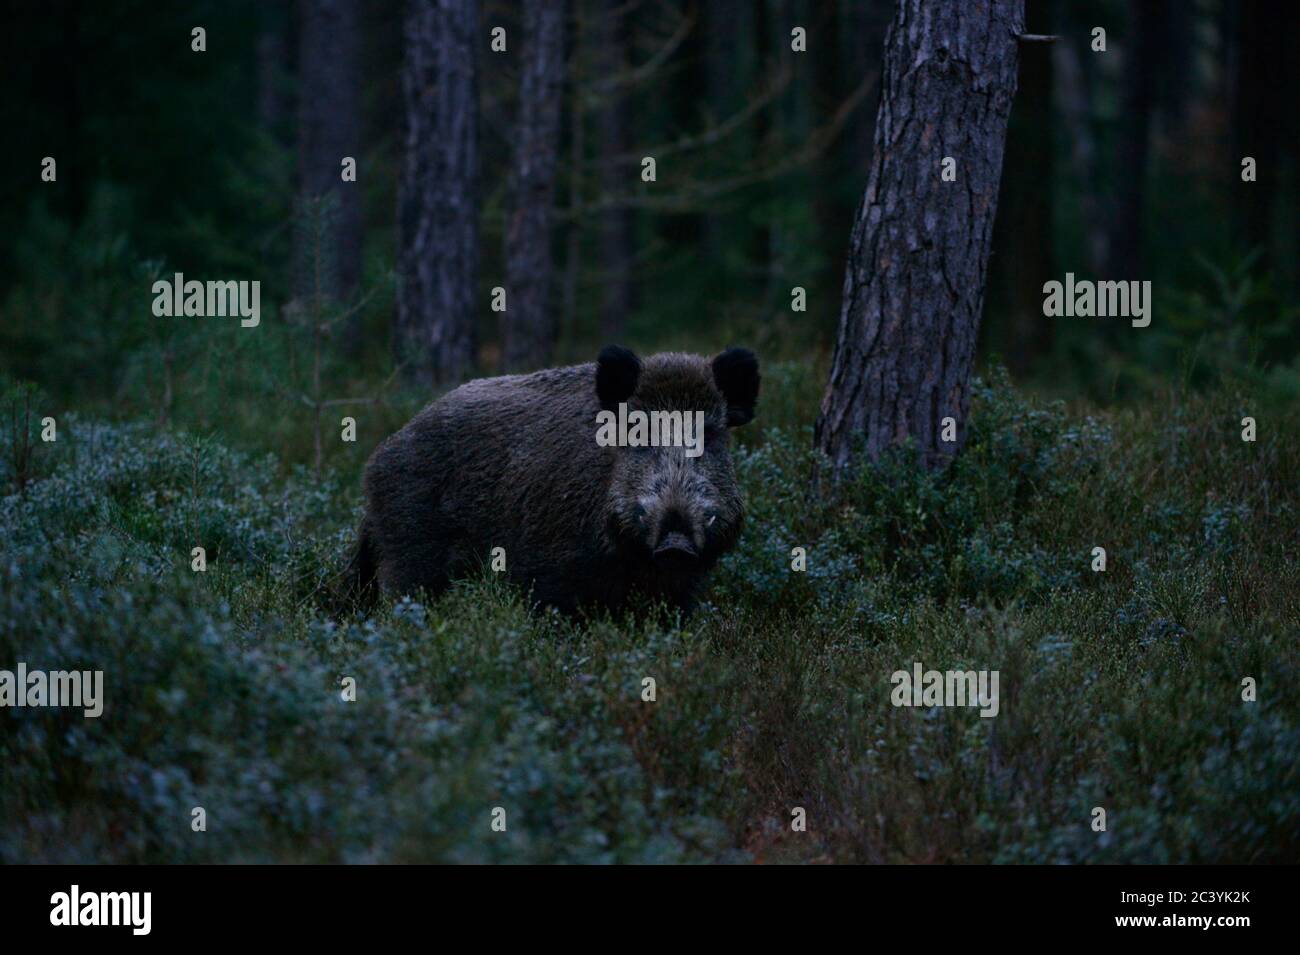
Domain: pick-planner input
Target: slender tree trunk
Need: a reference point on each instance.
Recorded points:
(438, 195)
(1074, 106)
(846, 39)
(832, 214)
(577, 153)
(722, 23)
(855, 35)
(528, 326)
(1140, 57)
(914, 286)
(761, 238)
(615, 179)
(273, 105)
(1263, 121)
(329, 128)
(70, 101)
(1022, 238)
(862, 41)
(1178, 81)
(793, 122)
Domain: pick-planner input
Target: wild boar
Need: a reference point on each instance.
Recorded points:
(515, 463)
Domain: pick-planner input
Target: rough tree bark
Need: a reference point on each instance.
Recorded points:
(329, 128)
(914, 285)
(527, 324)
(437, 211)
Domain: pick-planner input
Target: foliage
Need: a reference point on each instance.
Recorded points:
(1118, 689)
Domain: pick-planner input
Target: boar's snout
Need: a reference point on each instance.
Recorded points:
(676, 548)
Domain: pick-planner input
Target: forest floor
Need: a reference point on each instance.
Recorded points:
(1120, 689)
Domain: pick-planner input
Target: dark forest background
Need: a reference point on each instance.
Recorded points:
(224, 164)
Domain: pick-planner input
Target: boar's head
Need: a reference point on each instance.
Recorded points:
(679, 510)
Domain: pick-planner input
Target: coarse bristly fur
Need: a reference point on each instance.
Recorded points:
(513, 462)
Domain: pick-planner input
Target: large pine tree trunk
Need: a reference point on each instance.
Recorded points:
(329, 128)
(528, 325)
(914, 286)
(438, 196)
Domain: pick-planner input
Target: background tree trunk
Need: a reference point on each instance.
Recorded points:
(579, 44)
(438, 194)
(1263, 121)
(724, 38)
(913, 289)
(1141, 55)
(1074, 98)
(848, 48)
(616, 179)
(329, 128)
(862, 42)
(274, 105)
(528, 326)
(760, 243)
(1022, 237)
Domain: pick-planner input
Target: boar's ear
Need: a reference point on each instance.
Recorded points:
(735, 372)
(617, 371)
